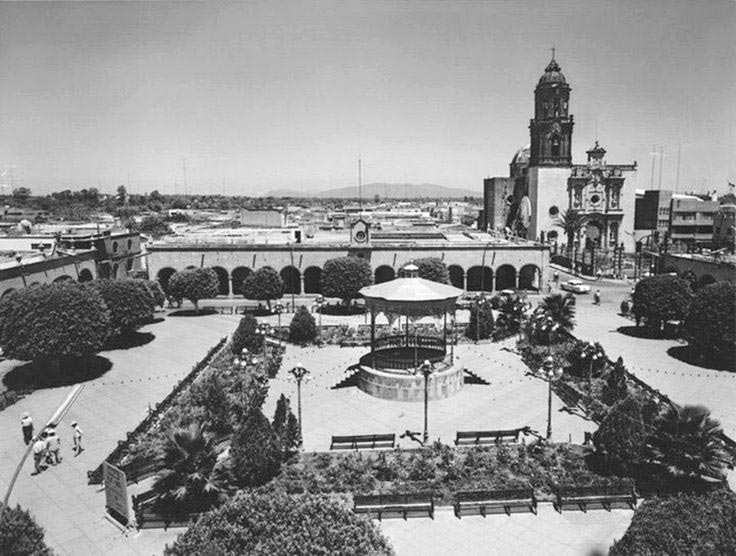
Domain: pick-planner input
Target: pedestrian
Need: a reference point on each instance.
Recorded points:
(556, 277)
(597, 297)
(77, 438)
(39, 450)
(549, 287)
(26, 425)
(599, 274)
(54, 446)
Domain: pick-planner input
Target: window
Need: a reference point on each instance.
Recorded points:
(554, 211)
(555, 150)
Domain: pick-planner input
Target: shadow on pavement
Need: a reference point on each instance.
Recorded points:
(193, 313)
(693, 357)
(70, 371)
(127, 341)
(643, 333)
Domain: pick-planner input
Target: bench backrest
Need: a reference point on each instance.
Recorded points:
(392, 499)
(495, 494)
(364, 438)
(599, 490)
(513, 433)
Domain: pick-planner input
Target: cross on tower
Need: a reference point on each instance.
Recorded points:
(553, 52)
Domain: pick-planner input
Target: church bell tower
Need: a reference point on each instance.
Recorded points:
(551, 127)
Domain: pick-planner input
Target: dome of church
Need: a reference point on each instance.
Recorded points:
(522, 155)
(552, 74)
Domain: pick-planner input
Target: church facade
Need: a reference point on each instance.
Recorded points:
(543, 182)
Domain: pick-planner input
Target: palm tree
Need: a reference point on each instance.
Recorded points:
(191, 474)
(571, 222)
(560, 309)
(687, 443)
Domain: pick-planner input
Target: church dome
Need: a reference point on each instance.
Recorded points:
(552, 75)
(522, 156)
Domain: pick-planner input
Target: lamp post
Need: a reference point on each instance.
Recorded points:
(426, 369)
(480, 300)
(552, 374)
(278, 308)
(299, 373)
(264, 329)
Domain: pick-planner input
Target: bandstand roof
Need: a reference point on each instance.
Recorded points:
(411, 296)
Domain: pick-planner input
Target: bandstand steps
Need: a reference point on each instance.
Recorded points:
(472, 378)
(351, 378)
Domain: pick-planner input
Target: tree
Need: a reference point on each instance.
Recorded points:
(483, 314)
(571, 222)
(659, 299)
(20, 535)
(154, 226)
(122, 196)
(615, 389)
(688, 443)
(246, 336)
(54, 321)
(561, 309)
(286, 426)
(194, 284)
(432, 268)
(302, 328)
(159, 297)
(710, 324)
(130, 303)
(264, 284)
(277, 524)
(511, 313)
(21, 194)
(256, 450)
(344, 277)
(191, 478)
(620, 441)
(687, 524)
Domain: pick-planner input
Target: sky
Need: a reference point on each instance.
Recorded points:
(245, 97)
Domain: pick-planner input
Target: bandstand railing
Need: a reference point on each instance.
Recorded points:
(401, 340)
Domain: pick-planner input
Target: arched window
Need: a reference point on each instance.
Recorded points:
(555, 146)
(456, 276)
(384, 273)
(292, 279)
(313, 279)
(505, 277)
(223, 279)
(240, 273)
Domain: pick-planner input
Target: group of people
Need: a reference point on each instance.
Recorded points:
(47, 445)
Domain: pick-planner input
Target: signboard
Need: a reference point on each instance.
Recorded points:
(116, 493)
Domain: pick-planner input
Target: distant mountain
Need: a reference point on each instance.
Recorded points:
(384, 191)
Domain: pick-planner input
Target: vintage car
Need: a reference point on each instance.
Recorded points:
(575, 286)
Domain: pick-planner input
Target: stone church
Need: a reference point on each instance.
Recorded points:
(543, 181)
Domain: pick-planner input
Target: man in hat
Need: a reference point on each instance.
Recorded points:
(39, 451)
(26, 425)
(53, 443)
(77, 438)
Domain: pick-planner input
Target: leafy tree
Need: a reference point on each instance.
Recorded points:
(122, 195)
(194, 284)
(159, 297)
(130, 303)
(191, 478)
(344, 277)
(581, 358)
(615, 389)
(511, 313)
(482, 314)
(659, 299)
(246, 336)
(210, 392)
(277, 524)
(561, 309)
(286, 426)
(264, 284)
(20, 535)
(256, 450)
(710, 324)
(21, 194)
(683, 525)
(620, 441)
(53, 321)
(688, 443)
(432, 268)
(571, 222)
(302, 328)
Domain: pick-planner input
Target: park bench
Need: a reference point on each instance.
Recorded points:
(483, 502)
(595, 497)
(363, 441)
(466, 438)
(148, 518)
(140, 470)
(395, 505)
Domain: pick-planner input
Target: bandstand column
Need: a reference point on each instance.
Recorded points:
(373, 336)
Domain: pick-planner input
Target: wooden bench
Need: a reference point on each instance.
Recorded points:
(363, 441)
(395, 505)
(483, 502)
(595, 497)
(465, 438)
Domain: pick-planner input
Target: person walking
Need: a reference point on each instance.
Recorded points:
(597, 297)
(77, 438)
(26, 425)
(599, 274)
(39, 451)
(54, 446)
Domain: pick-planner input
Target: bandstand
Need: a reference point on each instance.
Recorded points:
(396, 366)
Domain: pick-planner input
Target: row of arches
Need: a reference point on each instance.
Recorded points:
(689, 276)
(477, 278)
(85, 275)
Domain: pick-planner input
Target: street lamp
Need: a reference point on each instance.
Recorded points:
(426, 369)
(299, 373)
(319, 301)
(278, 308)
(592, 353)
(264, 329)
(552, 374)
(480, 300)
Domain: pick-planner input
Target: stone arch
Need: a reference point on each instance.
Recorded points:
(480, 278)
(85, 275)
(505, 277)
(223, 278)
(456, 276)
(384, 273)
(292, 279)
(191, 267)
(34, 285)
(670, 270)
(163, 277)
(63, 278)
(529, 277)
(690, 277)
(706, 280)
(239, 274)
(313, 279)
(7, 292)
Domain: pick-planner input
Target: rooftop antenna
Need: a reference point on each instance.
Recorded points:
(661, 160)
(677, 183)
(360, 185)
(653, 154)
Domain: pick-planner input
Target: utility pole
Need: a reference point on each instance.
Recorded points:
(661, 160)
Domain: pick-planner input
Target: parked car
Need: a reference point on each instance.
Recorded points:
(575, 286)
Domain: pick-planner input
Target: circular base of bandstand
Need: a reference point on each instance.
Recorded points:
(404, 386)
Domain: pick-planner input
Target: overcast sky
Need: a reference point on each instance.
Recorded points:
(252, 96)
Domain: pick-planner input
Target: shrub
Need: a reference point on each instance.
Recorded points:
(432, 268)
(194, 284)
(687, 524)
(265, 284)
(710, 324)
(659, 299)
(581, 357)
(246, 336)
(302, 328)
(615, 389)
(159, 297)
(20, 534)
(482, 314)
(53, 321)
(286, 426)
(256, 451)
(344, 277)
(130, 303)
(277, 524)
(620, 441)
